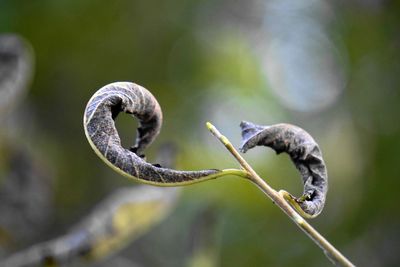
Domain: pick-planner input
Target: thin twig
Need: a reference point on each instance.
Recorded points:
(330, 251)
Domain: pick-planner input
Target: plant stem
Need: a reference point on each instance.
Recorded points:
(330, 251)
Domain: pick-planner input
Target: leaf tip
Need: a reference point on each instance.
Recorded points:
(249, 130)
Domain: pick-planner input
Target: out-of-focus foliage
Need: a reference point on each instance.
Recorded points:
(124, 216)
(330, 67)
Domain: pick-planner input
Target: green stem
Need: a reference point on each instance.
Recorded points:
(330, 251)
(235, 172)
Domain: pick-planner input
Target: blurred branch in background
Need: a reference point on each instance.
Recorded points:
(16, 70)
(25, 184)
(114, 223)
(26, 197)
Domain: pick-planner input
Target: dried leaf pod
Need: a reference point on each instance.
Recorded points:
(98, 122)
(305, 154)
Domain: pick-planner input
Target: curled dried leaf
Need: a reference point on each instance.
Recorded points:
(100, 130)
(305, 154)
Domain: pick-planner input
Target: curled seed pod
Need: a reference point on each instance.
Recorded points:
(16, 64)
(305, 154)
(98, 122)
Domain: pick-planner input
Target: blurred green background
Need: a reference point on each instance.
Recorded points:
(331, 67)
